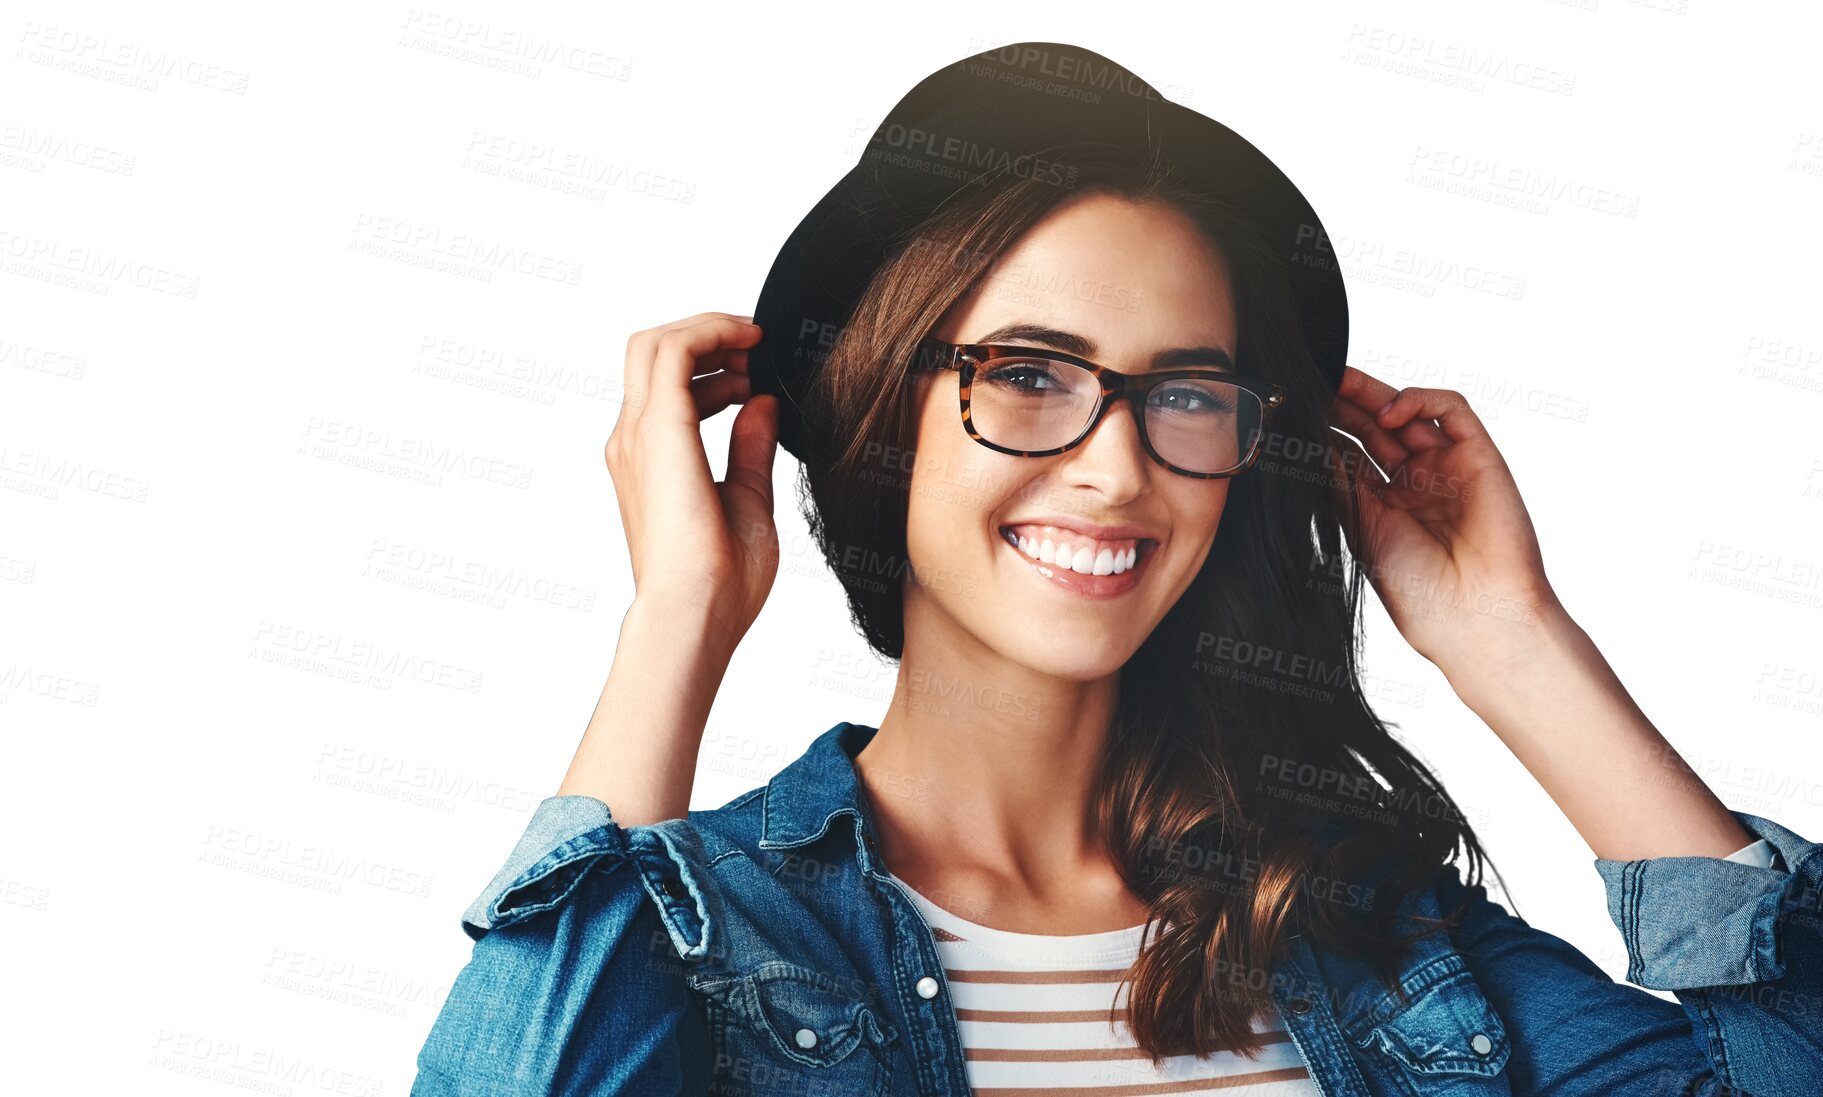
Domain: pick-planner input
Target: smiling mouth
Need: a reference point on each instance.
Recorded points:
(1082, 566)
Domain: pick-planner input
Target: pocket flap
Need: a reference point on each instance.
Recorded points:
(811, 1018)
(1446, 1027)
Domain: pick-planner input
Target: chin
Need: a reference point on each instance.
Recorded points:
(1092, 664)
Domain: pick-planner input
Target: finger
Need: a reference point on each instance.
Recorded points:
(1353, 475)
(728, 358)
(1387, 450)
(752, 444)
(642, 346)
(1447, 406)
(717, 391)
(1370, 394)
(674, 355)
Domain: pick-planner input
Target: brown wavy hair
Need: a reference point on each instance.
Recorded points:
(1243, 805)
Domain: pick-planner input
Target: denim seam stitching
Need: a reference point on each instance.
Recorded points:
(1630, 902)
(696, 949)
(1435, 974)
(568, 853)
(919, 1037)
(1762, 937)
(1717, 1036)
(1325, 1032)
(745, 799)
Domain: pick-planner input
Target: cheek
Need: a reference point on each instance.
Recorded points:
(951, 475)
(1215, 507)
(1197, 509)
(957, 489)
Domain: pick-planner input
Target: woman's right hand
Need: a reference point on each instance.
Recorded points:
(696, 544)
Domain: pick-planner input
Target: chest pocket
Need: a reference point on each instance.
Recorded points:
(785, 1028)
(1446, 1039)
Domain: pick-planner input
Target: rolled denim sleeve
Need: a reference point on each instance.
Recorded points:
(1741, 945)
(578, 979)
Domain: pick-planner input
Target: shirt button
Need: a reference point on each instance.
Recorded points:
(927, 987)
(1481, 1044)
(806, 1038)
(1300, 1006)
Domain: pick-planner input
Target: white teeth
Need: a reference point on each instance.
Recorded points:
(1082, 559)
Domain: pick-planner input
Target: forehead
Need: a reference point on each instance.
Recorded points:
(1131, 276)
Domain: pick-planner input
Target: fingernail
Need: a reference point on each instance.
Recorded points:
(1384, 408)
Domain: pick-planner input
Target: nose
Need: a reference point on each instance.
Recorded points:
(1111, 457)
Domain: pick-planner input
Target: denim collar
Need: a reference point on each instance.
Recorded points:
(802, 802)
(805, 798)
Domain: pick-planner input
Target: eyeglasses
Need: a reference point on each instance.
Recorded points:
(1035, 402)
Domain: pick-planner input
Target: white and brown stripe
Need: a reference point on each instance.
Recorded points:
(1035, 1016)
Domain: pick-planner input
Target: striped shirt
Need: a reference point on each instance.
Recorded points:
(1033, 1011)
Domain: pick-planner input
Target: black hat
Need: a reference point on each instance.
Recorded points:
(1014, 108)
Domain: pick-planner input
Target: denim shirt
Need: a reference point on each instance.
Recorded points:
(761, 948)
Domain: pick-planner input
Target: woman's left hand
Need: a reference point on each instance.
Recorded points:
(1453, 554)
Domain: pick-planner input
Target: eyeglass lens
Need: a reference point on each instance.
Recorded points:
(1203, 426)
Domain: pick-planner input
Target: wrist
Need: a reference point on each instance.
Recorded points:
(690, 623)
(638, 752)
(1511, 654)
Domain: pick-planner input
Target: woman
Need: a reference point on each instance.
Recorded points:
(1128, 825)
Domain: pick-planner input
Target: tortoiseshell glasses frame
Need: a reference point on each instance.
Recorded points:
(965, 358)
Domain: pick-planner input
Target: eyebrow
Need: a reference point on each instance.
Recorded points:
(1084, 347)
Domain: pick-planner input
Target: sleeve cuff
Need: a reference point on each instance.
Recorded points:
(1693, 922)
(566, 835)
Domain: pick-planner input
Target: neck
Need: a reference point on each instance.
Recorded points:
(981, 771)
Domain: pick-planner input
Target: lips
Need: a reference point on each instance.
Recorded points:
(1089, 566)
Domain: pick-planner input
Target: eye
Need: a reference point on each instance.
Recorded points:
(1194, 397)
(1023, 376)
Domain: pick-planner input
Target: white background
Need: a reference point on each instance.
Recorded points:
(220, 865)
